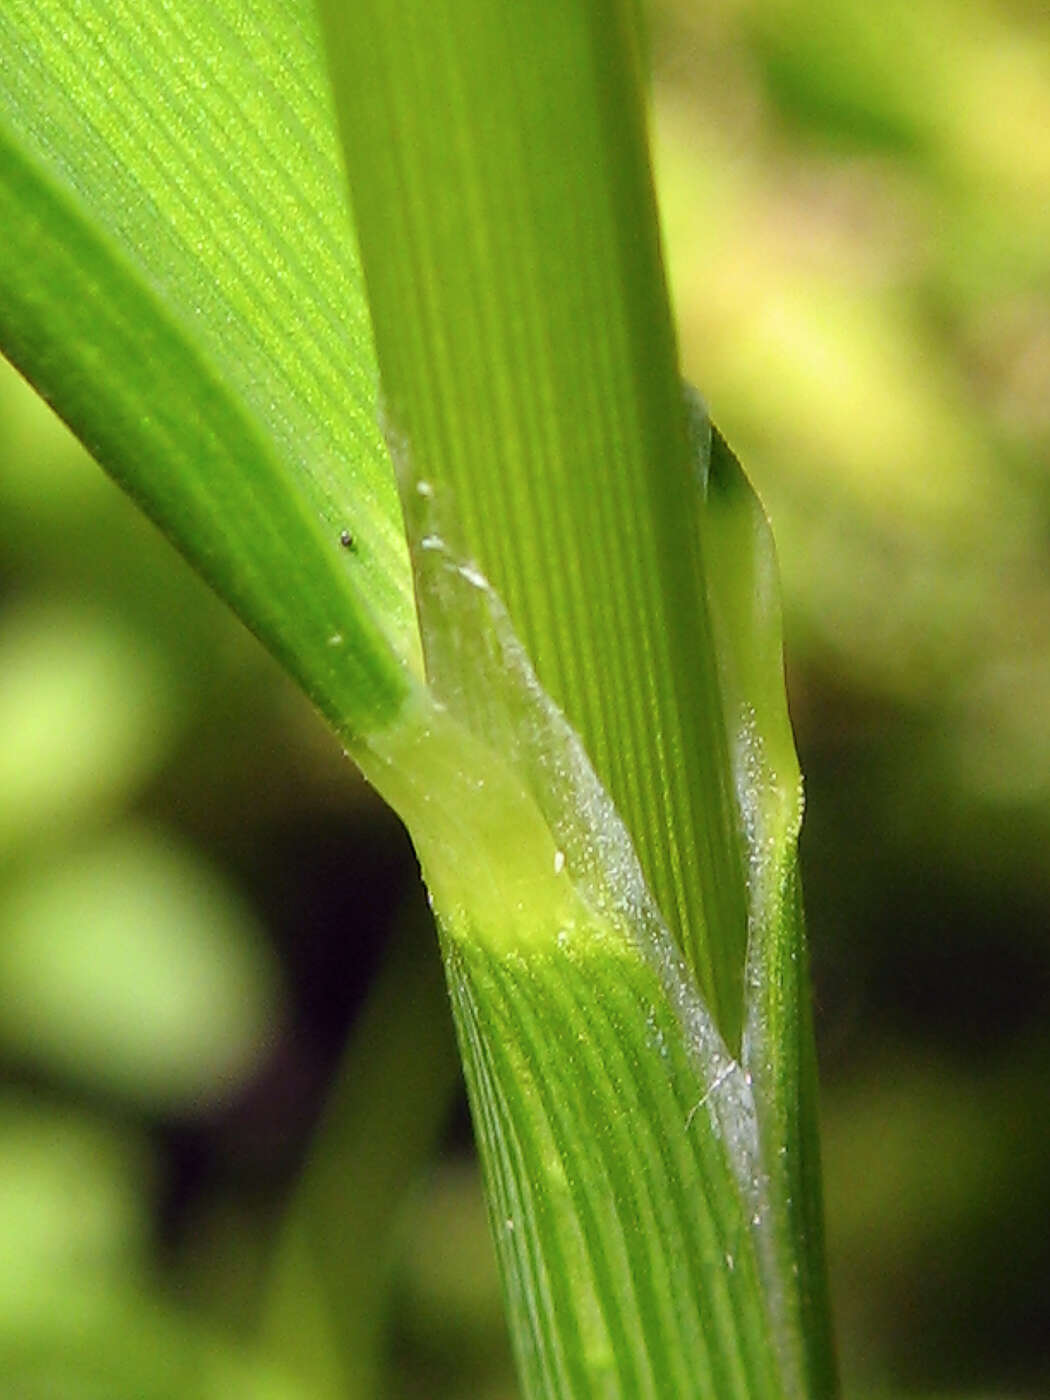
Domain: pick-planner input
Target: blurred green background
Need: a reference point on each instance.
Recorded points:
(196, 891)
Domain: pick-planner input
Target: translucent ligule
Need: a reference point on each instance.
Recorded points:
(575, 1008)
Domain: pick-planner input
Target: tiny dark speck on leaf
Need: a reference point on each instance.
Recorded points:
(346, 539)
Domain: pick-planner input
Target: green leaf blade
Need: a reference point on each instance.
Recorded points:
(184, 288)
(510, 244)
(497, 161)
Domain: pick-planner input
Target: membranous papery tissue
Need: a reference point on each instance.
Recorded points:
(529, 865)
(508, 813)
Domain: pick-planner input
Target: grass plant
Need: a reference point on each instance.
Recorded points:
(428, 438)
